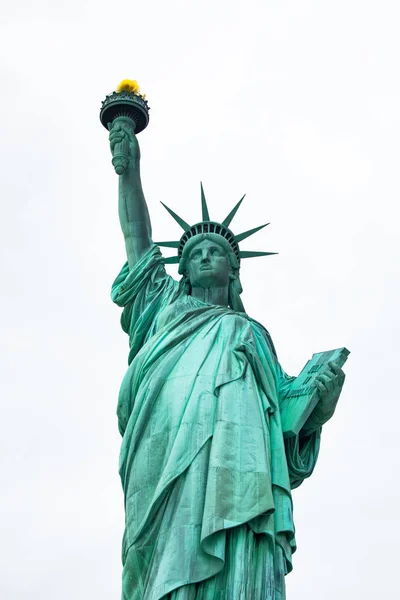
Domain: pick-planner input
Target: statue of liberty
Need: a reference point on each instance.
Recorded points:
(206, 465)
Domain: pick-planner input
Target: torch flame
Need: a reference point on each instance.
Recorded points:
(128, 85)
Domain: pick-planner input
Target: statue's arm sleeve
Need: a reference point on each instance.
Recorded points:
(301, 456)
(143, 291)
(301, 450)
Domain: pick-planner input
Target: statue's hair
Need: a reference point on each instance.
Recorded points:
(235, 287)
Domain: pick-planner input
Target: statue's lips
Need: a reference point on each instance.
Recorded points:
(206, 268)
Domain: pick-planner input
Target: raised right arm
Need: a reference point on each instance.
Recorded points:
(133, 213)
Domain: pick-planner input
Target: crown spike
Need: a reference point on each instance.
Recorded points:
(246, 234)
(250, 254)
(185, 226)
(204, 208)
(171, 260)
(228, 219)
(168, 244)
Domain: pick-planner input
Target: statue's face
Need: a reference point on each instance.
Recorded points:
(208, 265)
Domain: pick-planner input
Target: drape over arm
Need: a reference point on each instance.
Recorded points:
(143, 292)
(301, 450)
(301, 455)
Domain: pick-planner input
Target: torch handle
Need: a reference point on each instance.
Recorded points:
(121, 154)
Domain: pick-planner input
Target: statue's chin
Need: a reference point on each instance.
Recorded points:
(208, 281)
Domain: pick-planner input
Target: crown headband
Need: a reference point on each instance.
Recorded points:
(208, 226)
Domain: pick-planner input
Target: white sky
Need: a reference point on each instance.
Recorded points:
(296, 103)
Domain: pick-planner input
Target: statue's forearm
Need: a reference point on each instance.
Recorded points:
(134, 215)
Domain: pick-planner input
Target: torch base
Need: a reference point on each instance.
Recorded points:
(125, 104)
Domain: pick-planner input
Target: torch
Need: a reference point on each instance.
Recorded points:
(127, 105)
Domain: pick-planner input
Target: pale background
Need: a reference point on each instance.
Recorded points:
(296, 103)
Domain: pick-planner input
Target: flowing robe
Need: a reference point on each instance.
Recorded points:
(206, 472)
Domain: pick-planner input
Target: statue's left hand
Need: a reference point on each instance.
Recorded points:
(329, 384)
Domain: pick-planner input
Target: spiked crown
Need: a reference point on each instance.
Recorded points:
(208, 226)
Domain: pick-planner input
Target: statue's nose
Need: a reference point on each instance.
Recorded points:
(205, 258)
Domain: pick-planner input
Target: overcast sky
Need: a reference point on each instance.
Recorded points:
(296, 103)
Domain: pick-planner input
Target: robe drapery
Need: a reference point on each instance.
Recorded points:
(205, 470)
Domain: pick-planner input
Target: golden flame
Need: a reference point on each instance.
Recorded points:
(128, 85)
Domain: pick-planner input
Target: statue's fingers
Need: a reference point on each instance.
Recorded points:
(327, 381)
(321, 387)
(336, 369)
(116, 135)
(326, 377)
(115, 139)
(339, 374)
(332, 366)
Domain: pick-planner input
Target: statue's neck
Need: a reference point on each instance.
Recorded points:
(211, 295)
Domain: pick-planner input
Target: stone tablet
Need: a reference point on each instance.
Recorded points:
(303, 395)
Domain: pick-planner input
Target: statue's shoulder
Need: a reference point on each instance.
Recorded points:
(264, 333)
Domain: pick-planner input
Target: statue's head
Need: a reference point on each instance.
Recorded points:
(209, 254)
(208, 260)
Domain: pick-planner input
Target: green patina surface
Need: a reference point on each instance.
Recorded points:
(206, 465)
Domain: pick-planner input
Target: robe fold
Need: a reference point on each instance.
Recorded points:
(206, 473)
